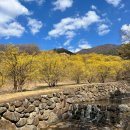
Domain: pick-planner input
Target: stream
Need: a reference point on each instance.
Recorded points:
(101, 115)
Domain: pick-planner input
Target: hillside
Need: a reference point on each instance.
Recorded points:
(108, 49)
(62, 50)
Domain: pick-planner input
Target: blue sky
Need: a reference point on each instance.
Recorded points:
(72, 24)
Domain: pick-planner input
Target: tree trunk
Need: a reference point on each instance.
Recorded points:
(78, 81)
(15, 84)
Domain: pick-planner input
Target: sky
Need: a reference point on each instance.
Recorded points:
(71, 24)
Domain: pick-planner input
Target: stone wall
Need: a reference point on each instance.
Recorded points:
(34, 113)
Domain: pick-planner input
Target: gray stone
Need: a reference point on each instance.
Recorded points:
(43, 100)
(22, 122)
(38, 98)
(6, 125)
(45, 117)
(11, 108)
(3, 110)
(56, 100)
(20, 109)
(36, 103)
(49, 103)
(28, 127)
(33, 121)
(42, 106)
(36, 121)
(69, 100)
(40, 117)
(42, 125)
(31, 99)
(26, 103)
(30, 109)
(18, 103)
(12, 116)
(37, 110)
(50, 116)
(4, 105)
(41, 112)
(52, 106)
(26, 115)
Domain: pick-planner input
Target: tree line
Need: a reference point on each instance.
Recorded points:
(50, 67)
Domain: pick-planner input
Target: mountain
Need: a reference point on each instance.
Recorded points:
(63, 50)
(108, 49)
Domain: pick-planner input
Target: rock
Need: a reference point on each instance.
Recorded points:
(52, 117)
(22, 115)
(33, 114)
(12, 116)
(42, 106)
(41, 112)
(26, 103)
(37, 110)
(6, 125)
(65, 116)
(30, 121)
(30, 109)
(58, 105)
(56, 100)
(22, 122)
(66, 92)
(49, 103)
(36, 103)
(31, 99)
(35, 121)
(40, 117)
(28, 127)
(20, 109)
(69, 100)
(58, 95)
(43, 100)
(45, 117)
(26, 115)
(12, 108)
(4, 105)
(124, 108)
(50, 95)
(18, 104)
(52, 106)
(2, 110)
(42, 125)
(38, 98)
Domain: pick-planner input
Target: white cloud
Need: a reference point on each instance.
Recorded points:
(69, 36)
(34, 25)
(39, 2)
(11, 29)
(125, 33)
(72, 24)
(93, 7)
(62, 4)
(82, 44)
(115, 3)
(9, 11)
(103, 29)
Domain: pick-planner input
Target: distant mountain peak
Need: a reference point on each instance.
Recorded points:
(63, 50)
(109, 49)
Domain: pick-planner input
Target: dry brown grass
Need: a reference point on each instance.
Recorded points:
(5, 97)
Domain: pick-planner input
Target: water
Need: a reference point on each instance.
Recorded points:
(103, 115)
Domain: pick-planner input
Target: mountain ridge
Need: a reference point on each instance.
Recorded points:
(109, 49)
